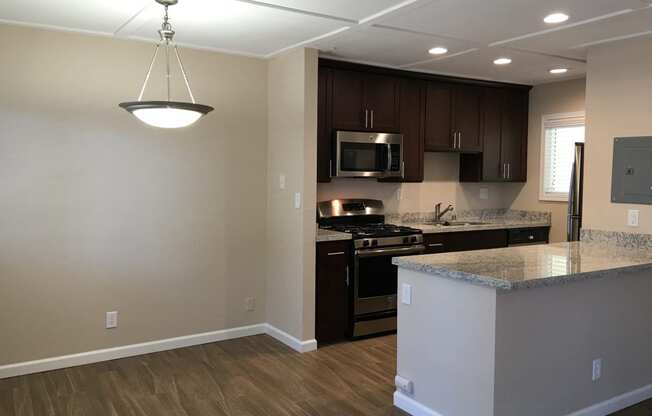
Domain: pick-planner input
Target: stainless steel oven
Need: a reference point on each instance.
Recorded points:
(375, 281)
(369, 155)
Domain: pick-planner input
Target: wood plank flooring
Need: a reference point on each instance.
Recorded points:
(244, 377)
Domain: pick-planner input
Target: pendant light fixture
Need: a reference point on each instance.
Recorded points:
(167, 114)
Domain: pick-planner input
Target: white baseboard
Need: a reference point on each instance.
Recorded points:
(292, 342)
(96, 356)
(411, 406)
(605, 408)
(617, 403)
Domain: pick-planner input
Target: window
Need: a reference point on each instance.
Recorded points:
(559, 135)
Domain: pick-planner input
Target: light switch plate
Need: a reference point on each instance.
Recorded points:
(633, 217)
(406, 294)
(281, 181)
(297, 200)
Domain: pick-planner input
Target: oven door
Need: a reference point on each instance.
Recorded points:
(370, 155)
(376, 278)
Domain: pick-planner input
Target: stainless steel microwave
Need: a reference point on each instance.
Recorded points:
(368, 155)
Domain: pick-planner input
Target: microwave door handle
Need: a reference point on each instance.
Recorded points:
(389, 157)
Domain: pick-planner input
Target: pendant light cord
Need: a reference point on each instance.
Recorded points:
(168, 40)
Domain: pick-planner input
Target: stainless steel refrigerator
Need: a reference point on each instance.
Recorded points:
(574, 224)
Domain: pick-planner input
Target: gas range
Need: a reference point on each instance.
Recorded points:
(373, 288)
(380, 234)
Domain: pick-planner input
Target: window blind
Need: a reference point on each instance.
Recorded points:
(560, 136)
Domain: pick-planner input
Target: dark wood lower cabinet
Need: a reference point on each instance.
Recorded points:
(464, 241)
(332, 289)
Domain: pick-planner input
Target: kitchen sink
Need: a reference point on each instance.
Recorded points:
(454, 223)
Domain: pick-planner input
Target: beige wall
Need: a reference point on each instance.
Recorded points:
(558, 97)
(441, 184)
(292, 153)
(618, 103)
(101, 213)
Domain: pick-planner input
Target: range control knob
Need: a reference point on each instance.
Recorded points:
(413, 239)
(406, 240)
(365, 243)
(374, 243)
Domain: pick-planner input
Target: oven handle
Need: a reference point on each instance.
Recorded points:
(420, 249)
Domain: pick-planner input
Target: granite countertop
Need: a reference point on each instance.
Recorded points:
(330, 235)
(532, 266)
(495, 224)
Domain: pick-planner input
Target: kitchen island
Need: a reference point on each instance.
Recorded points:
(545, 330)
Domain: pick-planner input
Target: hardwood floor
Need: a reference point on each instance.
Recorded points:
(243, 377)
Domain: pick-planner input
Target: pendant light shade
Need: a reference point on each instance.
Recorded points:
(167, 114)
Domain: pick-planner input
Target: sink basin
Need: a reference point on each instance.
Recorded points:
(454, 223)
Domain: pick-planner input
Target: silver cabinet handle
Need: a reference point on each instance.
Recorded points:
(459, 140)
(504, 170)
(336, 253)
(402, 169)
(454, 140)
(509, 171)
(436, 245)
(372, 119)
(531, 237)
(366, 118)
(330, 168)
(347, 276)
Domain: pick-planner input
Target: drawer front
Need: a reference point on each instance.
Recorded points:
(529, 235)
(435, 243)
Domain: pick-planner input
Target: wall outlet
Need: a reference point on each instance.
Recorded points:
(404, 385)
(632, 217)
(597, 369)
(281, 181)
(484, 193)
(111, 320)
(250, 304)
(399, 195)
(406, 294)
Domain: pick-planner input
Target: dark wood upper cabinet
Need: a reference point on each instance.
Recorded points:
(365, 102)
(438, 121)
(514, 136)
(484, 121)
(332, 291)
(452, 119)
(504, 136)
(381, 101)
(466, 118)
(347, 102)
(324, 126)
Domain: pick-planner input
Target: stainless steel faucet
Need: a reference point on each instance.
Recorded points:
(439, 213)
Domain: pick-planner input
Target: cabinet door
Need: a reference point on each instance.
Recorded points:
(347, 103)
(324, 129)
(466, 116)
(514, 136)
(382, 103)
(332, 291)
(438, 131)
(476, 240)
(492, 113)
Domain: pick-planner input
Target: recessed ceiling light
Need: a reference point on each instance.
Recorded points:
(503, 61)
(559, 70)
(438, 50)
(556, 18)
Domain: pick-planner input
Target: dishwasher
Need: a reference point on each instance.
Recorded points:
(528, 236)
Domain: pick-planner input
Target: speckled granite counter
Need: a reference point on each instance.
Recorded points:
(329, 235)
(532, 266)
(492, 219)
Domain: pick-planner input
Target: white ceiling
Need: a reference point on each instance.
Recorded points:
(396, 33)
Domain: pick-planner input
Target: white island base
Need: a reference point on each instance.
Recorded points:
(475, 350)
